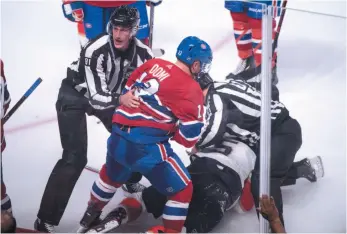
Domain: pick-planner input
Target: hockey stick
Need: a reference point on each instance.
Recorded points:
(92, 169)
(156, 52)
(22, 99)
(279, 29)
(151, 24)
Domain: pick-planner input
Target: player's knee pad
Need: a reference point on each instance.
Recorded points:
(154, 201)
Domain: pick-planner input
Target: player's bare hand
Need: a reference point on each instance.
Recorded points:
(268, 208)
(129, 100)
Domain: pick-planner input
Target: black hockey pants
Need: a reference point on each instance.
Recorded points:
(210, 196)
(71, 108)
(285, 142)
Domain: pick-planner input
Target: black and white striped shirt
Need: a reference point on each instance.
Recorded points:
(102, 71)
(233, 111)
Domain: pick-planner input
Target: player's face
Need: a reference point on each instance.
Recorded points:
(121, 37)
(196, 68)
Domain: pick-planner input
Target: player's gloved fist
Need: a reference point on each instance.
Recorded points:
(129, 99)
(154, 2)
(73, 11)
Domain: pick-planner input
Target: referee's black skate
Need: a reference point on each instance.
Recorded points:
(311, 169)
(41, 226)
(245, 64)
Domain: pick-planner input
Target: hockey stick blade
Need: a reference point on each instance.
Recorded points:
(22, 99)
(158, 52)
(104, 227)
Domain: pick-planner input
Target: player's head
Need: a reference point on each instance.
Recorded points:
(204, 80)
(196, 54)
(123, 26)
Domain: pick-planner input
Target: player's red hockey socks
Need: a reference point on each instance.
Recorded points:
(243, 34)
(176, 209)
(103, 189)
(257, 39)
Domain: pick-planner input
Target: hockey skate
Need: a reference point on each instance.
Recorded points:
(311, 169)
(128, 210)
(41, 226)
(244, 64)
(111, 222)
(90, 217)
(252, 74)
(133, 187)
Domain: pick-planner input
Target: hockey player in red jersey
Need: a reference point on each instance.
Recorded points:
(92, 16)
(246, 16)
(171, 107)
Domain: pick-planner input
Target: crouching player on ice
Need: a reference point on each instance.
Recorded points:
(171, 107)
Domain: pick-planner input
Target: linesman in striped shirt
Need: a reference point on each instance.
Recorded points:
(93, 86)
(233, 111)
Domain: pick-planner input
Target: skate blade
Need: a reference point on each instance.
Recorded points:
(105, 227)
(81, 229)
(317, 165)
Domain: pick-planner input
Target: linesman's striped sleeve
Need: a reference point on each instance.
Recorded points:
(216, 117)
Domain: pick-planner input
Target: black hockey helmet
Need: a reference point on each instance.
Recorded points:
(125, 16)
(204, 80)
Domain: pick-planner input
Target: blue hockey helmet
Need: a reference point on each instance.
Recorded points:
(193, 49)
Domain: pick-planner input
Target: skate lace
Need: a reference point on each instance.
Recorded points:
(49, 227)
(137, 187)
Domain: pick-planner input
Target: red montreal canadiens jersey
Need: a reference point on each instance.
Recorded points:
(170, 100)
(104, 3)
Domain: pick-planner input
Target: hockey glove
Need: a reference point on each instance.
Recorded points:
(154, 2)
(73, 11)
